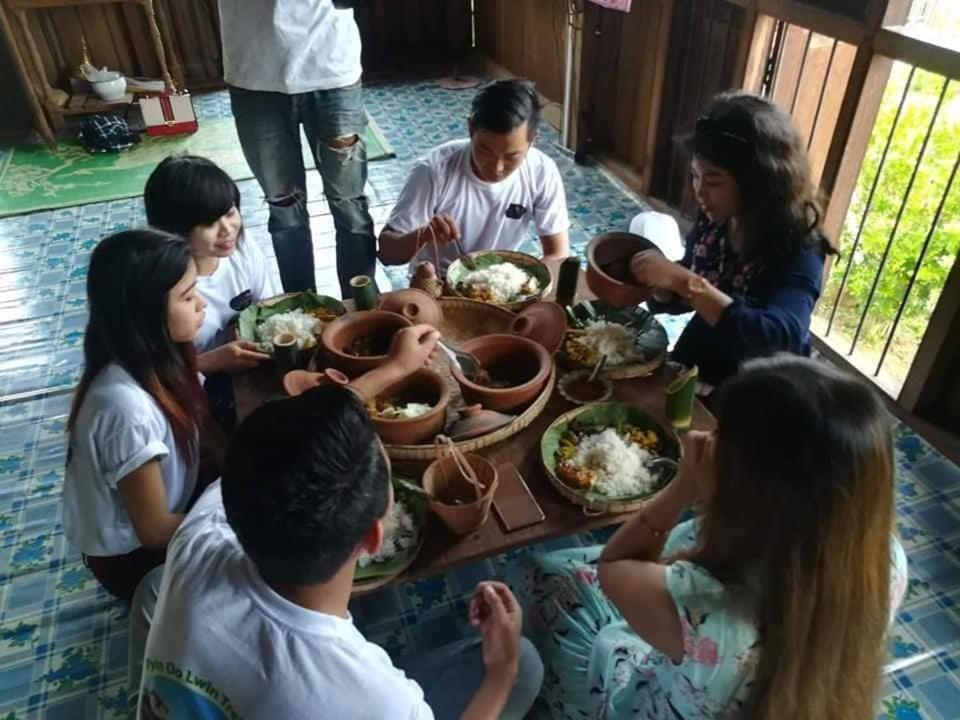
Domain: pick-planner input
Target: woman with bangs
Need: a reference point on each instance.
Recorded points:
(194, 198)
(772, 602)
(133, 454)
(754, 260)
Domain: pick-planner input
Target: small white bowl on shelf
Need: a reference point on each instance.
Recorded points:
(111, 88)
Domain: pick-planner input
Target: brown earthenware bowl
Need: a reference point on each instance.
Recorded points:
(608, 268)
(424, 386)
(339, 335)
(516, 357)
(415, 305)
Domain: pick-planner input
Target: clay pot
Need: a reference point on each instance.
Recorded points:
(444, 480)
(608, 268)
(426, 386)
(544, 323)
(297, 382)
(524, 359)
(415, 305)
(340, 334)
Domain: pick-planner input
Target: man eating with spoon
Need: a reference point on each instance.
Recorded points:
(482, 193)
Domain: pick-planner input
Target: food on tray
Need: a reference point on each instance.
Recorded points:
(396, 409)
(611, 461)
(601, 337)
(304, 326)
(371, 345)
(399, 535)
(501, 376)
(500, 283)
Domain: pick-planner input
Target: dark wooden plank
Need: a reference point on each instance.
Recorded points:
(458, 29)
(117, 27)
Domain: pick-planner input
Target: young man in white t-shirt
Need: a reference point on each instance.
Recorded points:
(290, 63)
(252, 619)
(483, 193)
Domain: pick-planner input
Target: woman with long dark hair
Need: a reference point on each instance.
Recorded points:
(754, 259)
(133, 430)
(773, 601)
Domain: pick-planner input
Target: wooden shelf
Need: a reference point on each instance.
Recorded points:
(88, 103)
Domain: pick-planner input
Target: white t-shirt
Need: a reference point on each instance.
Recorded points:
(491, 216)
(119, 428)
(246, 270)
(289, 46)
(224, 645)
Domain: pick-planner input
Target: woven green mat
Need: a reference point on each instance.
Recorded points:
(33, 178)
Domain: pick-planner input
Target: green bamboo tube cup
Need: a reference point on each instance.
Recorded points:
(364, 292)
(285, 353)
(681, 395)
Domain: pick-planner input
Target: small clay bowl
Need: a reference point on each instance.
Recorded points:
(608, 268)
(297, 382)
(339, 334)
(415, 305)
(426, 386)
(576, 387)
(528, 360)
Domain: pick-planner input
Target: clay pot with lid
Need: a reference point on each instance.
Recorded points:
(415, 305)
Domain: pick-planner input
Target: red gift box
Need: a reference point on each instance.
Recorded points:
(168, 114)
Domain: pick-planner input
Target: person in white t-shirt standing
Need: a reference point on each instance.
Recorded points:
(485, 192)
(293, 63)
(192, 197)
(252, 619)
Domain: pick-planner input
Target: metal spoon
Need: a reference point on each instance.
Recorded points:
(468, 262)
(465, 361)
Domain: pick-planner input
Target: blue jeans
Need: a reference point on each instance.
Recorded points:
(268, 124)
(451, 674)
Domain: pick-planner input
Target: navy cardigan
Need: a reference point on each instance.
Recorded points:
(773, 315)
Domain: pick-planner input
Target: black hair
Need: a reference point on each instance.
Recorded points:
(505, 105)
(758, 144)
(304, 480)
(129, 280)
(185, 191)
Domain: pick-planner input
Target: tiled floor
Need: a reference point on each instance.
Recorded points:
(63, 640)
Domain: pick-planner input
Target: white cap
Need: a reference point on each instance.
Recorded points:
(662, 230)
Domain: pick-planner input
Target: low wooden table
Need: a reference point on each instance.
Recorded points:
(443, 550)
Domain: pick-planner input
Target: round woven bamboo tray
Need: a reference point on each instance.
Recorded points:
(519, 259)
(621, 372)
(465, 319)
(590, 505)
(520, 422)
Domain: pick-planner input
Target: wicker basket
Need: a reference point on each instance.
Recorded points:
(465, 319)
(521, 260)
(455, 473)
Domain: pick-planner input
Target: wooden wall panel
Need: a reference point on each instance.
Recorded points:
(704, 39)
(395, 33)
(526, 38)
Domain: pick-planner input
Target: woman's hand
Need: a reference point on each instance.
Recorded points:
(651, 268)
(413, 347)
(235, 356)
(697, 476)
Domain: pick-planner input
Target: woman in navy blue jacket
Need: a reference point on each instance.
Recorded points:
(753, 266)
